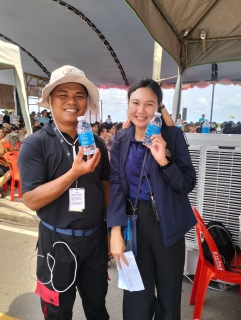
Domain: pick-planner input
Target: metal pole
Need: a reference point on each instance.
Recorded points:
(211, 114)
(101, 111)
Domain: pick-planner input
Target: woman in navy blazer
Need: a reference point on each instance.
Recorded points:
(171, 175)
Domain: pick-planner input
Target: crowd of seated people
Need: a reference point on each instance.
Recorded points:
(5, 146)
(227, 127)
(106, 131)
(12, 135)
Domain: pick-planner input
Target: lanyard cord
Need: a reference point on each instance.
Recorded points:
(139, 185)
(55, 124)
(69, 156)
(152, 195)
(59, 135)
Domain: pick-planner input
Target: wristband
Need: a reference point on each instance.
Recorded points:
(163, 168)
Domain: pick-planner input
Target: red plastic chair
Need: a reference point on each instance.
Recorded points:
(18, 145)
(5, 187)
(205, 271)
(11, 158)
(7, 145)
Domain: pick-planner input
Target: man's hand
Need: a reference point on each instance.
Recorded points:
(81, 167)
(126, 124)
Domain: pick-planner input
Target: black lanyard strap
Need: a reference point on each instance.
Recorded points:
(139, 185)
(153, 201)
(63, 144)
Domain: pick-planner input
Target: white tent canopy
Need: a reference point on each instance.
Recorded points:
(194, 32)
(10, 59)
(105, 39)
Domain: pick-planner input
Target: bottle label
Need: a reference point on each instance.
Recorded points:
(86, 139)
(206, 129)
(152, 129)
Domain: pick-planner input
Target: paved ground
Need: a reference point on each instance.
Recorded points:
(16, 210)
(220, 305)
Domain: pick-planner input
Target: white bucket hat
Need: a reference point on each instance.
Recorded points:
(68, 74)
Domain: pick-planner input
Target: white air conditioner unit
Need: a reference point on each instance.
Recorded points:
(217, 195)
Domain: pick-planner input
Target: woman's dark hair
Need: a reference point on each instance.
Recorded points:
(238, 130)
(101, 129)
(146, 83)
(14, 128)
(110, 126)
(119, 125)
(36, 128)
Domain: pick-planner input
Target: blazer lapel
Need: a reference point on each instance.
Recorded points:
(124, 150)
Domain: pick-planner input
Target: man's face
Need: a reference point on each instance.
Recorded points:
(45, 114)
(69, 101)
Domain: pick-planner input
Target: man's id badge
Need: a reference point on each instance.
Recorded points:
(76, 199)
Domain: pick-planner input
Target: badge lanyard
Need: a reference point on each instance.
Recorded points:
(153, 201)
(76, 195)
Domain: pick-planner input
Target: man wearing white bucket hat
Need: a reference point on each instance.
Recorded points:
(70, 193)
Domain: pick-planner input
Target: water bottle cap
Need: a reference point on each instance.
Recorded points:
(81, 118)
(158, 114)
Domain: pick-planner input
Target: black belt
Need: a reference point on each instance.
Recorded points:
(72, 232)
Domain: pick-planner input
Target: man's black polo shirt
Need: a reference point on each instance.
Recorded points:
(43, 159)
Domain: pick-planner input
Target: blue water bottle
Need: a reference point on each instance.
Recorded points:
(86, 136)
(206, 127)
(153, 127)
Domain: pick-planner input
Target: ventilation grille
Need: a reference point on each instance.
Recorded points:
(193, 196)
(222, 189)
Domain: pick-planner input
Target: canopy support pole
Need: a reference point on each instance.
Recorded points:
(177, 98)
(211, 114)
(157, 62)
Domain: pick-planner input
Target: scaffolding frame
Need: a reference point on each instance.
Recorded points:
(34, 89)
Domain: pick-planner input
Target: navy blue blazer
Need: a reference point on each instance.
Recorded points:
(171, 186)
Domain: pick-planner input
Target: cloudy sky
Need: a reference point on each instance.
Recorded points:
(227, 103)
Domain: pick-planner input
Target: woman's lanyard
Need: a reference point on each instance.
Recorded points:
(76, 195)
(153, 201)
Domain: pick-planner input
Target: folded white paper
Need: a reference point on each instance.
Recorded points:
(129, 276)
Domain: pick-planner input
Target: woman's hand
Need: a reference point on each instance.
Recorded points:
(158, 149)
(117, 245)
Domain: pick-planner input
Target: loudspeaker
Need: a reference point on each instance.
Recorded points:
(184, 114)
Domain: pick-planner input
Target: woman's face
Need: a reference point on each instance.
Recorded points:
(112, 130)
(142, 105)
